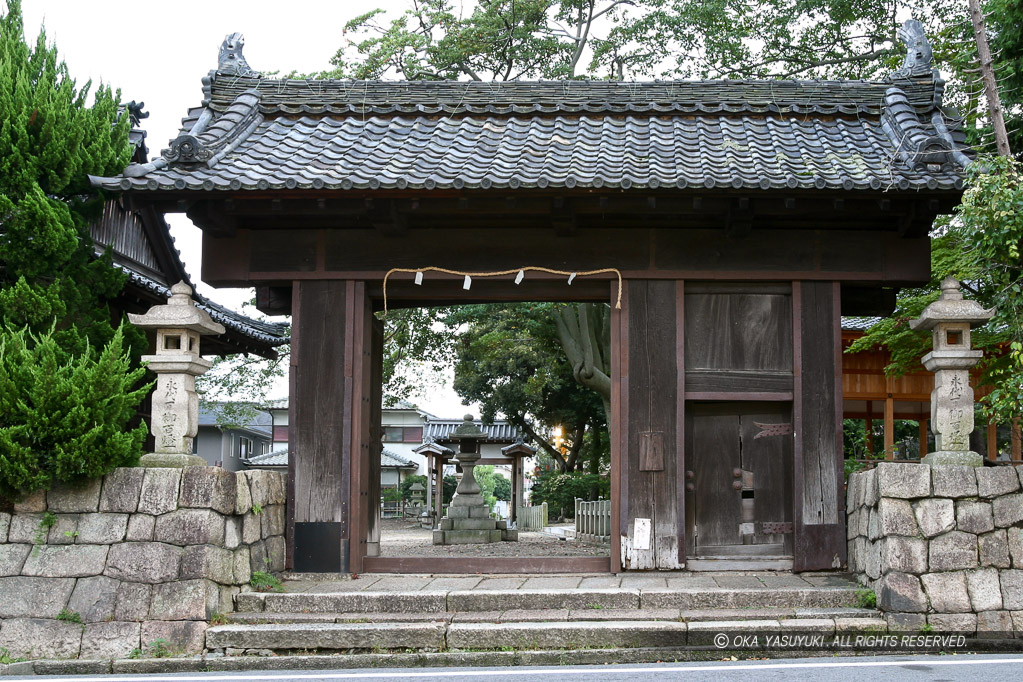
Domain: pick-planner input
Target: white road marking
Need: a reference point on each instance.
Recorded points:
(241, 677)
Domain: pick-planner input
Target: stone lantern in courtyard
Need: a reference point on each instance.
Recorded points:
(177, 362)
(468, 521)
(950, 319)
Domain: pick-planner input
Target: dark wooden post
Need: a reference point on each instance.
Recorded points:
(373, 362)
(321, 426)
(649, 458)
(817, 407)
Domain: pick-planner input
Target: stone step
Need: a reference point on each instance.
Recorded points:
(506, 600)
(554, 615)
(429, 636)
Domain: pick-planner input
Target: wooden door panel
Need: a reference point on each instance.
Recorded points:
(738, 331)
(769, 458)
(722, 438)
(716, 455)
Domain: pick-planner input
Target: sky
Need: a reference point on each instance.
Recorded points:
(157, 52)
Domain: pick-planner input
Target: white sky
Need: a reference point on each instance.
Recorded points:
(157, 52)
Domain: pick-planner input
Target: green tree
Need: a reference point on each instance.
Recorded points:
(64, 419)
(67, 389)
(502, 488)
(620, 39)
(50, 141)
(509, 360)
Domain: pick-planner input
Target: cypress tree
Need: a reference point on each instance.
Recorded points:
(59, 420)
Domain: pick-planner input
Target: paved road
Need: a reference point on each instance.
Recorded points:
(964, 667)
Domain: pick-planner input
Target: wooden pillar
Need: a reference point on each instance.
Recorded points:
(820, 537)
(649, 458)
(326, 431)
(516, 486)
(429, 480)
(923, 437)
(371, 427)
(1015, 440)
(868, 424)
(992, 441)
(889, 427)
(439, 498)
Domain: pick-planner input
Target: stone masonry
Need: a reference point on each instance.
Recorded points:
(142, 554)
(941, 546)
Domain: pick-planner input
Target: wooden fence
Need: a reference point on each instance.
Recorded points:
(533, 518)
(593, 521)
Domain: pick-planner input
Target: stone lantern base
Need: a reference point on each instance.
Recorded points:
(171, 461)
(954, 458)
(472, 526)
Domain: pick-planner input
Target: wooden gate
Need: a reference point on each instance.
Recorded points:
(739, 479)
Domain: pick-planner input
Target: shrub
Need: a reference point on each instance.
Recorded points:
(64, 418)
(559, 490)
(264, 581)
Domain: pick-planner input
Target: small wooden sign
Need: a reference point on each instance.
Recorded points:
(651, 451)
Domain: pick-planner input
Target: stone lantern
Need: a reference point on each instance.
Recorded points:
(416, 493)
(468, 520)
(950, 319)
(177, 362)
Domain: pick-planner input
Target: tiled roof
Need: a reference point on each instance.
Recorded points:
(858, 324)
(393, 459)
(277, 458)
(280, 458)
(259, 422)
(498, 432)
(257, 134)
(271, 333)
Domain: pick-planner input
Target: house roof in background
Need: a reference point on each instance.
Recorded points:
(388, 460)
(500, 431)
(277, 458)
(859, 324)
(392, 460)
(258, 421)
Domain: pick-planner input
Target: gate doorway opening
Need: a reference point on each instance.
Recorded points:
(547, 442)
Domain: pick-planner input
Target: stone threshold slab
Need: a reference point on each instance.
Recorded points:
(573, 599)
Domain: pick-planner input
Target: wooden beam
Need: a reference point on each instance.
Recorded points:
(563, 218)
(992, 441)
(869, 426)
(739, 220)
(390, 222)
(923, 437)
(1016, 439)
(889, 427)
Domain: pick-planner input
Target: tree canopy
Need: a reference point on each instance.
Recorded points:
(68, 388)
(50, 140)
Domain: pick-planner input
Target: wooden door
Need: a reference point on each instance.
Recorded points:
(739, 464)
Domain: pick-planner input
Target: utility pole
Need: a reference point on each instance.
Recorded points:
(987, 74)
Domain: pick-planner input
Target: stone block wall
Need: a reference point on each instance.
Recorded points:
(139, 555)
(941, 546)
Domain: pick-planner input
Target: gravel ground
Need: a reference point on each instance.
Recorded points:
(399, 538)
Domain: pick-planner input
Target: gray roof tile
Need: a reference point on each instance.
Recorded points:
(257, 134)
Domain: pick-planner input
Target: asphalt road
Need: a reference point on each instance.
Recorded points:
(904, 669)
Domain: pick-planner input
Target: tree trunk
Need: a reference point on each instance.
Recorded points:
(987, 74)
(584, 331)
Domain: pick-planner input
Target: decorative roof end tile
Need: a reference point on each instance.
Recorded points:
(231, 61)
